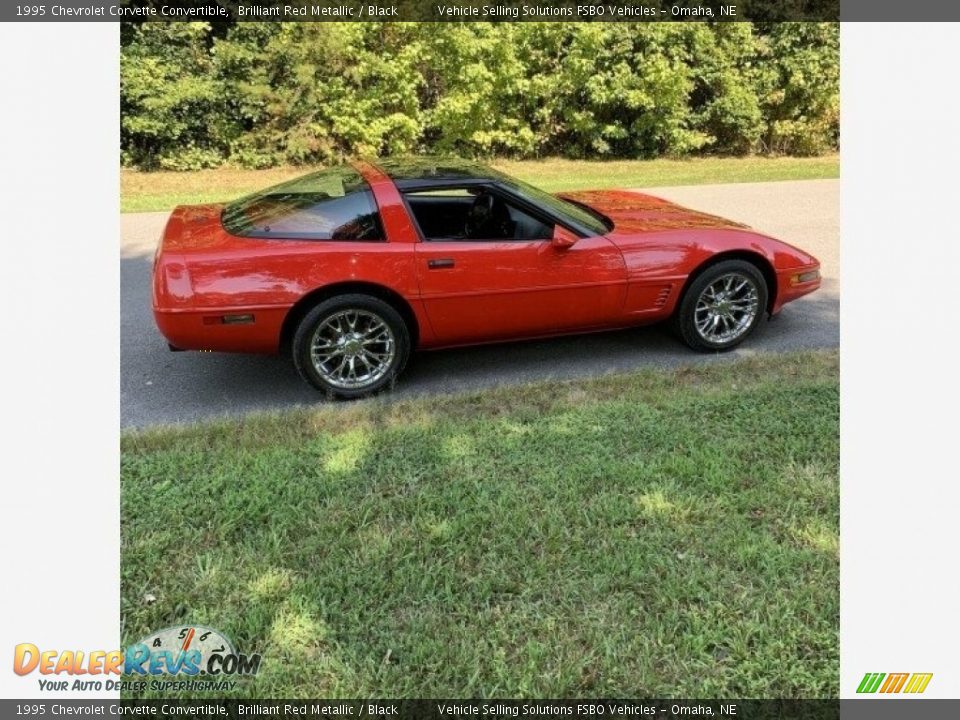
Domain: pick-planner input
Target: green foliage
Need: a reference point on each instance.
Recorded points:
(262, 94)
(801, 88)
(171, 98)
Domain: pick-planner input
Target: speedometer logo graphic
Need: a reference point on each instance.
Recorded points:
(178, 639)
(188, 650)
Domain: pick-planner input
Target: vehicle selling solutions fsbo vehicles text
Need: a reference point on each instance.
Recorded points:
(612, 12)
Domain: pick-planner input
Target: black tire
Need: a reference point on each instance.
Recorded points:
(685, 319)
(316, 328)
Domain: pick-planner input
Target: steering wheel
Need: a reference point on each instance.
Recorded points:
(478, 217)
(488, 217)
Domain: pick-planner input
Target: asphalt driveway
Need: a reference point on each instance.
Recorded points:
(161, 387)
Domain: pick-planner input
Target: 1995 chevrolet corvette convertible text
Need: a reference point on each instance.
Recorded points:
(349, 269)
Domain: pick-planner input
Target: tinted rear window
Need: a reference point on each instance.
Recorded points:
(333, 204)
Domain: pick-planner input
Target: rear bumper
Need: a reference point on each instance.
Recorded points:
(246, 330)
(795, 283)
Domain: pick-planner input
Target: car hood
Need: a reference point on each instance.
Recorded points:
(633, 212)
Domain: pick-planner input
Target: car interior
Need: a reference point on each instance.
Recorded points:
(473, 214)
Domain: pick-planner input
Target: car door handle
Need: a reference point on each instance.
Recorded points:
(440, 263)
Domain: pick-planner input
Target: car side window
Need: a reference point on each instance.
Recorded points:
(473, 214)
(335, 204)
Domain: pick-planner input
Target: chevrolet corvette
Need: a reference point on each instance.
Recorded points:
(350, 269)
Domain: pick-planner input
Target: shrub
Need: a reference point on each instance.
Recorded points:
(261, 94)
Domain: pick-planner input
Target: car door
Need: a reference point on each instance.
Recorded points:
(481, 289)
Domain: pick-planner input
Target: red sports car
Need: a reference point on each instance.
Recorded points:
(349, 269)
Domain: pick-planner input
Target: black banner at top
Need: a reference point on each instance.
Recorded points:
(476, 10)
(422, 10)
(503, 10)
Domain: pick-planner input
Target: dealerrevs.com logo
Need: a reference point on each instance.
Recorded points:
(185, 652)
(891, 683)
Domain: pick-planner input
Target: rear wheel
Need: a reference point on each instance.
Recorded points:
(351, 346)
(722, 306)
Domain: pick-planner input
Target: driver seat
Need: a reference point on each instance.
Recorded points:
(489, 219)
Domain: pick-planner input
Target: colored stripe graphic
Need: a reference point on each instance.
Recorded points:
(870, 682)
(918, 682)
(894, 683)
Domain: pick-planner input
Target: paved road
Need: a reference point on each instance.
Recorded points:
(160, 387)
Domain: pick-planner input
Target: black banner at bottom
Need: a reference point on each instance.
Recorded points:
(427, 709)
(872, 709)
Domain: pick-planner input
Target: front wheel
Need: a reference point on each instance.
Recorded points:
(351, 346)
(722, 306)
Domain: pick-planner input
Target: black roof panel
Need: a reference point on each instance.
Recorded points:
(421, 171)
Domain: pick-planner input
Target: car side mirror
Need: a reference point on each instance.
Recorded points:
(562, 238)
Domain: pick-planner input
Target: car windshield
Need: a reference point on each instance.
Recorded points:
(333, 204)
(575, 214)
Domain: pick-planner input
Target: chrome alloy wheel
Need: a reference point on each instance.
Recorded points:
(726, 308)
(352, 349)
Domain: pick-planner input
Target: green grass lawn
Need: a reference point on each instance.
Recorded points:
(658, 533)
(141, 192)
